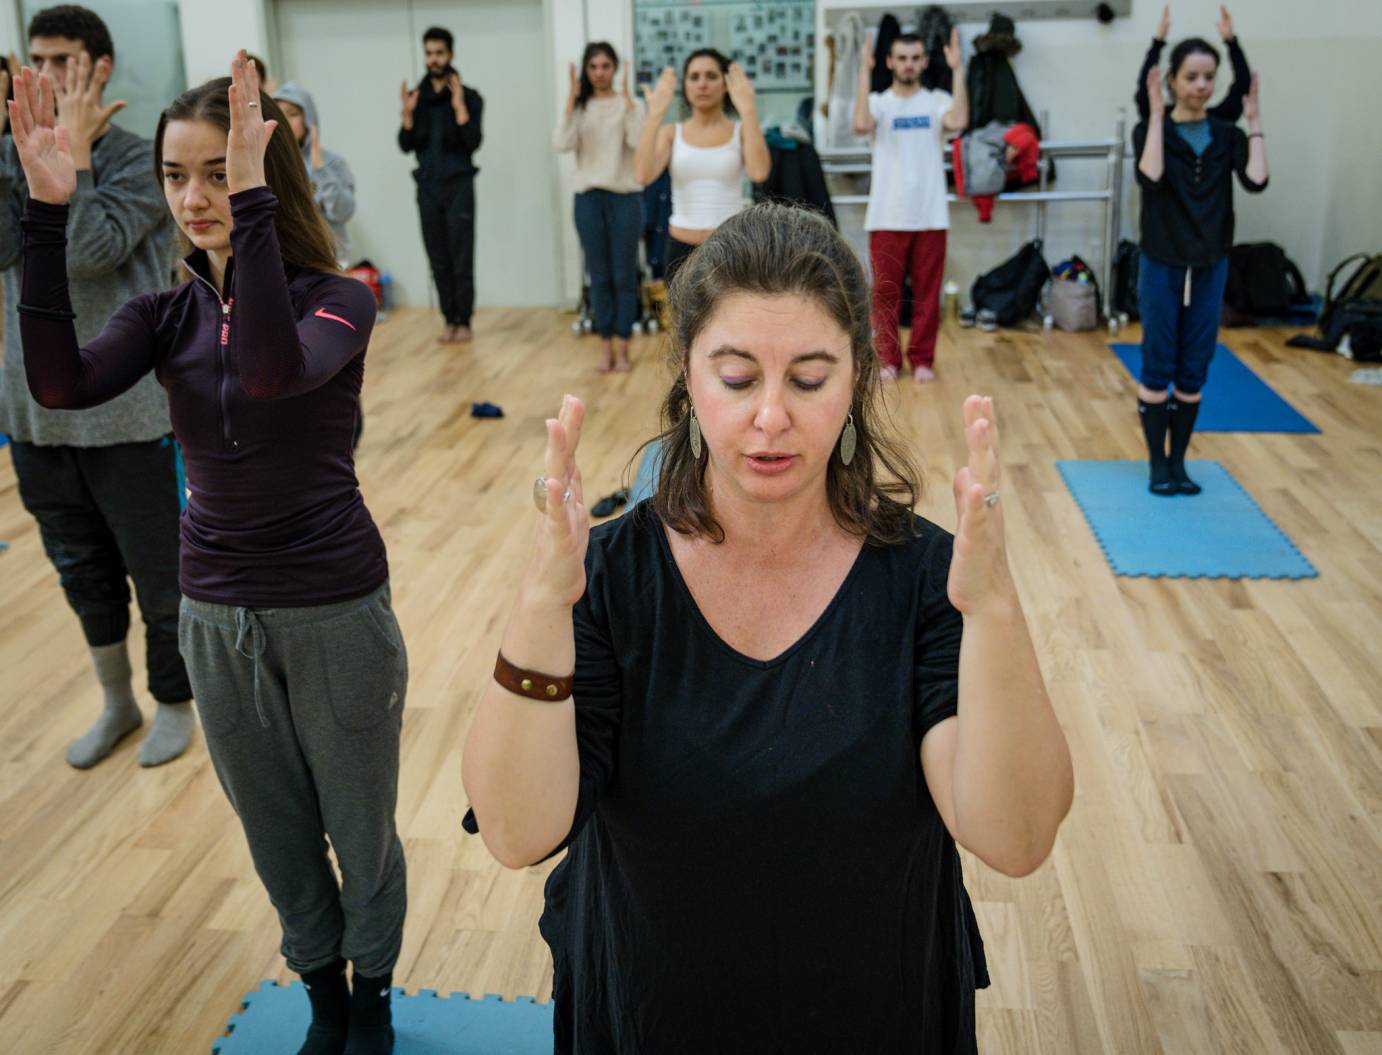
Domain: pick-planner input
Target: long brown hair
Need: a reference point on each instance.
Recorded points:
(303, 236)
(771, 250)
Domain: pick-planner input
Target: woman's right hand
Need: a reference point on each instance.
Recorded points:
(556, 575)
(1164, 25)
(575, 80)
(661, 94)
(1156, 98)
(44, 150)
(866, 56)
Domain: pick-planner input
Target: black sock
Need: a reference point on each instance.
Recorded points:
(330, 996)
(1154, 419)
(1182, 415)
(371, 1016)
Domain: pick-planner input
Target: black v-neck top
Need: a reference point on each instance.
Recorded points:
(756, 862)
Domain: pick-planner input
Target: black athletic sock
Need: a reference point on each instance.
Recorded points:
(1154, 419)
(1182, 417)
(371, 1016)
(330, 996)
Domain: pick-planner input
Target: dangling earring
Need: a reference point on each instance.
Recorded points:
(695, 429)
(849, 438)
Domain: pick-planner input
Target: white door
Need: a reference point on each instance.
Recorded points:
(352, 55)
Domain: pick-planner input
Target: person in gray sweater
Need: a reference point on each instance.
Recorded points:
(333, 184)
(104, 484)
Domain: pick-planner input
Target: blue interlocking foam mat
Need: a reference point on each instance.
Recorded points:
(1218, 534)
(1235, 398)
(275, 1018)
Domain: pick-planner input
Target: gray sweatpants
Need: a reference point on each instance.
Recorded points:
(302, 709)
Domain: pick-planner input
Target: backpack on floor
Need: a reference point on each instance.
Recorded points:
(1262, 282)
(1125, 269)
(1353, 310)
(1012, 289)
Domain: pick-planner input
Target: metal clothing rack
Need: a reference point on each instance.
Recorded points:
(856, 161)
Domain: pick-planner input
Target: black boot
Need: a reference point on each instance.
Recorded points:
(1154, 417)
(371, 1018)
(330, 996)
(1182, 417)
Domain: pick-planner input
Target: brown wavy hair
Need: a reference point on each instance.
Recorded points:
(771, 249)
(303, 237)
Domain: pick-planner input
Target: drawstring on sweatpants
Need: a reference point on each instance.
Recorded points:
(1186, 300)
(247, 622)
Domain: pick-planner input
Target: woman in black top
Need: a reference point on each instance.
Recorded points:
(1187, 159)
(792, 696)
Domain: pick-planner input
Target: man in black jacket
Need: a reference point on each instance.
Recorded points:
(441, 124)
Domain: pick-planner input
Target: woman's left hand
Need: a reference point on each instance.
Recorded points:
(740, 89)
(249, 132)
(979, 574)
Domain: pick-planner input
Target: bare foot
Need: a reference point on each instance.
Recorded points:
(461, 334)
(606, 357)
(621, 358)
(924, 375)
(887, 373)
(447, 335)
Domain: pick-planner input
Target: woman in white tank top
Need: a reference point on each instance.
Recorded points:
(710, 155)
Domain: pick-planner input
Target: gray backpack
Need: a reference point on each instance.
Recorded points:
(983, 156)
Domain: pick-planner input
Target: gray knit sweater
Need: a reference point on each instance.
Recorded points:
(120, 244)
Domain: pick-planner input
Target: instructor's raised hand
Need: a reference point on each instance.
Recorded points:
(556, 575)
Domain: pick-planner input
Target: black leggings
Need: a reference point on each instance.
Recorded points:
(677, 252)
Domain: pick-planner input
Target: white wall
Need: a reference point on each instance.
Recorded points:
(213, 30)
(1319, 87)
(354, 54)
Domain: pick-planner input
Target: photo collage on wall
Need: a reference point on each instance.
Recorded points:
(774, 43)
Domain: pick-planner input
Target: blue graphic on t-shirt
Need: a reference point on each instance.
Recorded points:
(923, 121)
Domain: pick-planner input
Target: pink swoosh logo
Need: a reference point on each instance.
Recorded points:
(322, 313)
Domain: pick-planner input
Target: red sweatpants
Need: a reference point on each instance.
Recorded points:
(893, 254)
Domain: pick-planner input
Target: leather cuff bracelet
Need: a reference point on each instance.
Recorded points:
(530, 683)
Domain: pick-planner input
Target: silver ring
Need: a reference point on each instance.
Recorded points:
(991, 499)
(540, 494)
(251, 105)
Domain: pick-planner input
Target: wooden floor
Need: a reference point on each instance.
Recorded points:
(1217, 887)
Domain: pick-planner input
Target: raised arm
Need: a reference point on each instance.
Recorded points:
(956, 119)
(11, 200)
(278, 355)
(1250, 152)
(1152, 61)
(863, 119)
(654, 150)
(566, 134)
(62, 375)
(531, 767)
(758, 160)
(407, 140)
(1230, 108)
(1151, 156)
(633, 116)
(1000, 770)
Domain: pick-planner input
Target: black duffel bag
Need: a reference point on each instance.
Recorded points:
(1012, 289)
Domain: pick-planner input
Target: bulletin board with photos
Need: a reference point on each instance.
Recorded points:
(774, 42)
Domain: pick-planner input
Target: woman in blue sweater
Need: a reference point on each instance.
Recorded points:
(295, 658)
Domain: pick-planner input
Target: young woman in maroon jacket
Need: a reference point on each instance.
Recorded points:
(296, 660)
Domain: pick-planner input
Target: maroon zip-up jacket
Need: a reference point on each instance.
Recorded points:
(263, 389)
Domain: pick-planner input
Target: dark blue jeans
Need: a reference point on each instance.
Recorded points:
(1178, 339)
(609, 226)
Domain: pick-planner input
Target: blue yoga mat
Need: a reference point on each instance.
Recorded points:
(1235, 399)
(275, 1019)
(1218, 534)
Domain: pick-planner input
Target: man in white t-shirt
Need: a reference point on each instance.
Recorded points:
(908, 215)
